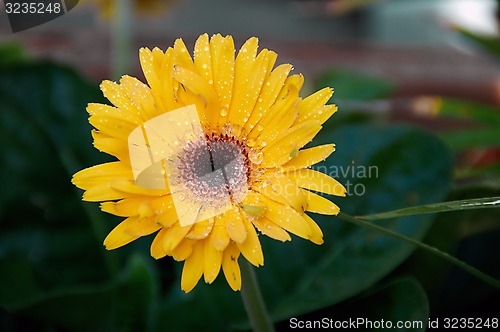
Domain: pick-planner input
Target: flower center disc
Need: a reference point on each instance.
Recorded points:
(213, 175)
(213, 168)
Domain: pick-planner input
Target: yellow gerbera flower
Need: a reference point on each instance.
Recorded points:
(209, 153)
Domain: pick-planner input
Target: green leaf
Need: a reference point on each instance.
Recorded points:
(466, 204)
(47, 245)
(43, 124)
(122, 305)
(351, 85)
(462, 109)
(490, 44)
(463, 139)
(12, 53)
(401, 300)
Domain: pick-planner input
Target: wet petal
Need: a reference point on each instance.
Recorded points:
(319, 204)
(231, 267)
(193, 268)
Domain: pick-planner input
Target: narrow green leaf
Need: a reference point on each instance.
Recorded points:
(466, 204)
(475, 272)
(468, 110)
(481, 137)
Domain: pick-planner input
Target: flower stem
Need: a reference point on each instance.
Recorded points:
(433, 250)
(121, 37)
(253, 301)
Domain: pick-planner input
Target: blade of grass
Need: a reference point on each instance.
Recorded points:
(466, 204)
(433, 250)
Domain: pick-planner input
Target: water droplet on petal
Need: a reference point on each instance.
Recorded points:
(223, 112)
(256, 156)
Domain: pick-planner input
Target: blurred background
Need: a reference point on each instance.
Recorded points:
(417, 83)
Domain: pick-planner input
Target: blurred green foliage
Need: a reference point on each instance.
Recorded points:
(56, 275)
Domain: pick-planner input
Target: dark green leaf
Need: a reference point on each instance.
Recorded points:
(351, 85)
(463, 139)
(401, 300)
(124, 305)
(47, 244)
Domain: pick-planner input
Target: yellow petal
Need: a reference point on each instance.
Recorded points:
(319, 204)
(219, 237)
(114, 128)
(212, 262)
(243, 67)
(182, 251)
(157, 249)
(116, 95)
(235, 227)
(268, 95)
(317, 181)
(106, 111)
(278, 153)
(251, 248)
(175, 235)
(224, 76)
(157, 67)
(129, 186)
(166, 214)
(316, 235)
(287, 218)
(270, 229)
(168, 219)
(287, 98)
(284, 116)
(251, 79)
(198, 85)
(308, 157)
(201, 229)
(103, 192)
(100, 174)
(230, 266)
(118, 236)
(113, 146)
(193, 268)
(181, 55)
(280, 188)
(143, 227)
(141, 95)
(203, 57)
(128, 207)
(310, 106)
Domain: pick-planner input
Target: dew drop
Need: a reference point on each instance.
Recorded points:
(223, 112)
(251, 142)
(259, 127)
(256, 156)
